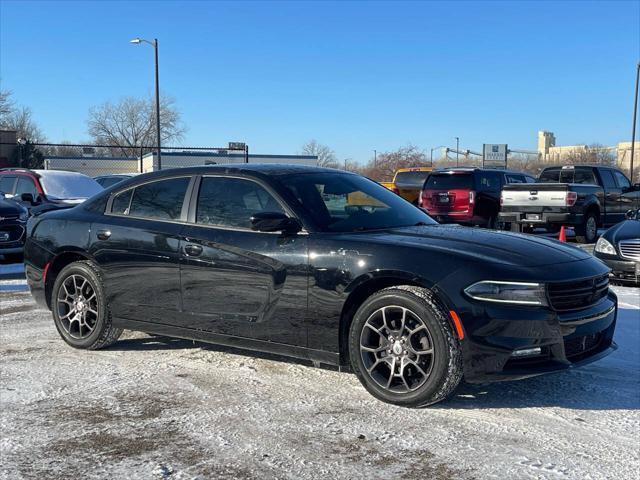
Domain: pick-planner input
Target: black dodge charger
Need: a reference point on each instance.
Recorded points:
(322, 265)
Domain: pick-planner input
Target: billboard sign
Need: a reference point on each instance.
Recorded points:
(494, 153)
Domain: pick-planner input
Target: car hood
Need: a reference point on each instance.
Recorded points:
(623, 231)
(475, 244)
(10, 208)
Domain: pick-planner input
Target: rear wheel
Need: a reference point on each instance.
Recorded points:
(80, 313)
(588, 231)
(403, 349)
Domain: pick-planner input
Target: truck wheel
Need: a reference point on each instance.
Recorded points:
(588, 231)
(403, 349)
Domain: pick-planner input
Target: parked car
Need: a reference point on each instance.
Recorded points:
(44, 190)
(408, 182)
(13, 220)
(274, 258)
(619, 248)
(109, 180)
(468, 196)
(582, 196)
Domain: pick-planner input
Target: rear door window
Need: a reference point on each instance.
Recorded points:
(584, 176)
(161, 200)
(26, 185)
(450, 181)
(121, 202)
(7, 182)
(607, 179)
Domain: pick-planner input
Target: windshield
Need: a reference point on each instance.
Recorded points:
(415, 178)
(340, 202)
(450, 181)
(68, 185)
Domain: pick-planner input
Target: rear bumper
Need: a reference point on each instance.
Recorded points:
(565, 341)
(464, 217)
(545, 218)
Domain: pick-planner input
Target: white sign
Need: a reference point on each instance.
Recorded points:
(494, 152)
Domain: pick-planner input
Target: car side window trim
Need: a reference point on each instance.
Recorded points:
(183, 211)
(193, 204)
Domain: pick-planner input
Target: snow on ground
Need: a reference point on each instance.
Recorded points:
(152, 407)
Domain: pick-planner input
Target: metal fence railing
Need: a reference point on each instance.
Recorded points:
(96, 160)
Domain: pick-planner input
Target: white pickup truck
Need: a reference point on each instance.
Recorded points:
(584, 197)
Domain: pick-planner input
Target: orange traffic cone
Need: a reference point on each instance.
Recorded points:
(563, 236)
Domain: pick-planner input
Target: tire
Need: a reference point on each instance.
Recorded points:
(404, 385)
(80, 313)
(588, 231)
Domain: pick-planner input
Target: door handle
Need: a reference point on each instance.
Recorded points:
(104, 234)
(193, 250)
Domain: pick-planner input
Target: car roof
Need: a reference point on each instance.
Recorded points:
(477, 169)
(415, 169)
(256, 169)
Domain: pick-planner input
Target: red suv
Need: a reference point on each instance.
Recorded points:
(47, 189)
(469, 196)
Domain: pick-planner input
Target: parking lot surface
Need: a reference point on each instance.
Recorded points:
(152, 407)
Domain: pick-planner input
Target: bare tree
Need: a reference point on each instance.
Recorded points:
(387, 163)
(6, 105)
(326, 156)
(21, 120)
(130, 123)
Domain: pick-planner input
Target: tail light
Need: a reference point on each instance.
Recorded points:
(571, 199)
(472, 197)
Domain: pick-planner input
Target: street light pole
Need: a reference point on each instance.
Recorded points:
(375, 158)
(635, 114)
(457, 151)
(154, 44)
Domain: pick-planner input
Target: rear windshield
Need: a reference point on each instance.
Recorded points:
(411, 178)
(450, 181)
(582, 175)
(68, 185)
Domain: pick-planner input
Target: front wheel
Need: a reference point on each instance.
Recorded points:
(403, 349)
(80, 313)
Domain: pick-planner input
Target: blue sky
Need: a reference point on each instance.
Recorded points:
(356, 76)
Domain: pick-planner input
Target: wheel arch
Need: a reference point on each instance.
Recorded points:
(61, 260)
(361, 289)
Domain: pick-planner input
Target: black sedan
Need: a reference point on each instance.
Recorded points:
(13, 220)
(619, 248)
(323, 265)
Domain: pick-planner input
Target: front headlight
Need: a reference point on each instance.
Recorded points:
(24, 216)
(508, 292)
(604, 246)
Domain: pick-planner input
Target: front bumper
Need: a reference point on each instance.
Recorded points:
(622, 270)
(566, 340)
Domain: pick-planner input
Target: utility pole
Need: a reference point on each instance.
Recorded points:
(375, 158)
(457, 151)
(635, 115)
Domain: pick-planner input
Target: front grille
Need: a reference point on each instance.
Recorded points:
(15, 233)
(581, 345)
(630, 249)
(578, 294)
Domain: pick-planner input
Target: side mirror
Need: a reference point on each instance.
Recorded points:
(274, 222)
(27, 198)
(631, 214)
